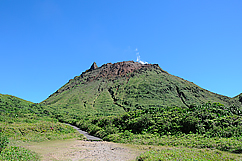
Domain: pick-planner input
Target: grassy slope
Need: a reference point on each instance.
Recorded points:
(144, 88)
(152, 88)
(171, 154)
(86, 100)
(89, 98)
(22, 120)
(82, 101)
(25, 120)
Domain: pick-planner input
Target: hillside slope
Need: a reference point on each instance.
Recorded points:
(15, 109)
(12, 104)
(123, 86)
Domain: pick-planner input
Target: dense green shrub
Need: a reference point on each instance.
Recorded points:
(186, 154)
(149, 125)
(13, 153)
(209, 119)
(186, 140)
(26, 121)
(3, 141)
(38, 131)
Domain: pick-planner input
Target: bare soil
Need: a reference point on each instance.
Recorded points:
(76, 150)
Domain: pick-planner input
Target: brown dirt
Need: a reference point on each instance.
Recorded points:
(83, 150)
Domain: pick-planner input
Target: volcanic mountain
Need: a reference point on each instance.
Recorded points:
(129, 85)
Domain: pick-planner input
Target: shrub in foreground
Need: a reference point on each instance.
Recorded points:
(13, 153)
(3, 141)
(186, 154)
(189, 140)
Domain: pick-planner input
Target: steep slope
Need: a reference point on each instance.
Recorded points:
(123, 86)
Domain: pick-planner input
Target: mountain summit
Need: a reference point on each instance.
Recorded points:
(94, 66)
(130, 85)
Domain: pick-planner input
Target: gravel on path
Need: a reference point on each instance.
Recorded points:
(89, 137)
(76, 150)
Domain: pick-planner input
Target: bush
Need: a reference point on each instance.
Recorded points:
(213, 120)
(186, 140)
(186, 154)
(13, 153)
(39, 131)
(3, 141)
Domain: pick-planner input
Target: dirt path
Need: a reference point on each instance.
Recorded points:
(89, 137)
(83, 150)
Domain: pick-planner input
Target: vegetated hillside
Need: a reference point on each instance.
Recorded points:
(14, 107)
(25, 121)
(20, 118)
(148, 106)
(128, 85)
(237, 99)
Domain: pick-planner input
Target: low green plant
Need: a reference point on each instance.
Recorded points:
(81, 137)
(3, 141)
(13, 153)
(38, 131)
(21, 120)
(211, 125)
(188, 154)
(211, 120)
(185, 140)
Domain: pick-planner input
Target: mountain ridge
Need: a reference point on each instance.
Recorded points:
(131, 85)
(118, 69)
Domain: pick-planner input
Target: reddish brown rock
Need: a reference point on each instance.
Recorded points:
(94, 66)
(120, 68)
(109, 71)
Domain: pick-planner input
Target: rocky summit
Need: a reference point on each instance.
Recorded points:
(131, 85)
(93, 67)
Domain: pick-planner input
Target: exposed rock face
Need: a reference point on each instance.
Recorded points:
(120, 68)
(129, 83)
(93, 67)
(116, 69)
(109, 70)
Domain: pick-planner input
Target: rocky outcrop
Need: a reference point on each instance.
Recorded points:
(109, 70)
(154, 84)
(93, 67)
(120, 68)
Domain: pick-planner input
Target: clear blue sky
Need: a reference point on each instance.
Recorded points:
(44, 43)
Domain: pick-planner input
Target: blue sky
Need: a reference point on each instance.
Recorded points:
(45, 43)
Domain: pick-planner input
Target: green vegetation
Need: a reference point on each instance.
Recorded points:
(3, 141)
(189, 140)
(13, 153)
(21, 120)
(39, 131)
(210, 119)
(209, 126)
(149, 107)
(146, 107)
(186, 154)
(144, 88)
